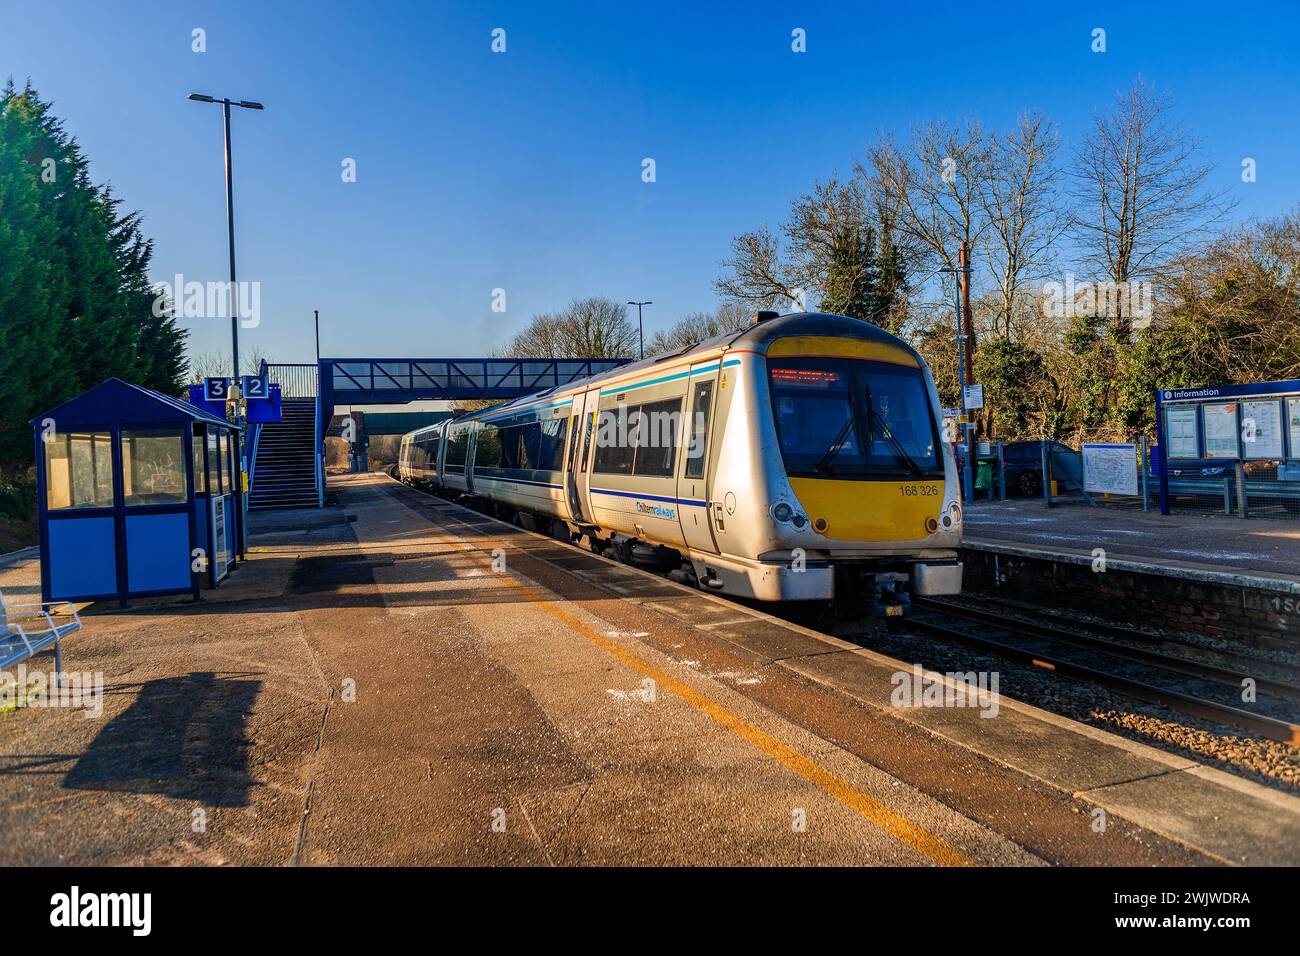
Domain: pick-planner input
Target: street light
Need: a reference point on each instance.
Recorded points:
(241, 498)
(230, 235)
(640, 329)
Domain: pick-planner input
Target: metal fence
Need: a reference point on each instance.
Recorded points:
(296, 381)
(1127, 475)
(1250, 489)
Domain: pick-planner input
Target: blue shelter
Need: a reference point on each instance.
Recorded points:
(138, 495)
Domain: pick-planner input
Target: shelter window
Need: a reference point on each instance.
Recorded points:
(79, 471)
(153, 467)
(196, 447)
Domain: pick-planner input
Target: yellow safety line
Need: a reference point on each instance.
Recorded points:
(871, 809)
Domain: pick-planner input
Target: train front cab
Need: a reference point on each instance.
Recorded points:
(823, 519)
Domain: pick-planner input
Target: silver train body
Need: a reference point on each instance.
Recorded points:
(799, 459)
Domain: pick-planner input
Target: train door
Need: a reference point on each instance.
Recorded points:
(590, 415)
(693, 478)
(575, 474)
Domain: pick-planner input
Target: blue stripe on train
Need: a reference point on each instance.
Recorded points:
(632, 494)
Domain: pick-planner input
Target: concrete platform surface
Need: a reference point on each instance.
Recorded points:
(1267, 546)
(398, 680)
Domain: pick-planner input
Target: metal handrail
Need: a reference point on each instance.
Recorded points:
(295, 381)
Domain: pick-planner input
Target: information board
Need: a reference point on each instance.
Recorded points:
(1110, 469)
(1220, 430)
(1261, 429)
(1181, 431)
(1293, 416)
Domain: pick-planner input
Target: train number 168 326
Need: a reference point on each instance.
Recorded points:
(923, 491)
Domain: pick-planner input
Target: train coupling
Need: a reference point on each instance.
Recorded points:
(890, 597)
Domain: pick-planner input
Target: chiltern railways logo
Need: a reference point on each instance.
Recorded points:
(75, 908)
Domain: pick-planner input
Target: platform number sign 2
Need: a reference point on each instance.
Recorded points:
(255, 386)
(216, 389)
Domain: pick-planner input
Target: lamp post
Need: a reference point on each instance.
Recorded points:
(230, 238)
(235, 390)
(639, 327)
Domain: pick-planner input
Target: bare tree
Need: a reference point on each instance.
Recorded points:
(217, 364)
(1023, 209)
(757, 276)
(835, 252)
(593, 327)
(1140, 187)
(931, 188)
(698, 326)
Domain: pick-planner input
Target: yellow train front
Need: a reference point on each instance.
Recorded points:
(799, 459)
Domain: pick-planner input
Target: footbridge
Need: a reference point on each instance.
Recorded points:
(287, 463)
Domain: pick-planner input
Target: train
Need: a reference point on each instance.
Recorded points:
(798, 459)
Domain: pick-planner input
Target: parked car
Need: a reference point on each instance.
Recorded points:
(1023, 461)
(1199, 471)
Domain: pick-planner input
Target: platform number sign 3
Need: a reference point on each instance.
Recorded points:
(216, 389)
(255, 386)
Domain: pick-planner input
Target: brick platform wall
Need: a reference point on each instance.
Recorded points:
(1261, 613)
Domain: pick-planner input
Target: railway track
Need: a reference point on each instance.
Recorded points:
(1210, 691)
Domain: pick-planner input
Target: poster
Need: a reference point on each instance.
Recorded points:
(1293, 416)
(220, 540)
(1220, 430)
(1261, 429)
(1180, 431)
(1110, 469)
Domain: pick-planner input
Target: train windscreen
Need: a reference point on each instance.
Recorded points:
(853, 418)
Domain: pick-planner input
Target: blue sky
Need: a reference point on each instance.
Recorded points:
(522, 170)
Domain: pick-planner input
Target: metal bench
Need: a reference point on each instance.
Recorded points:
(19, 639)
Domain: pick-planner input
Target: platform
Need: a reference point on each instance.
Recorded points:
(1212, 542)
(1235, 579)
(371, 688)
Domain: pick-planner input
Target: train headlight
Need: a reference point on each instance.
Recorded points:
(932, 526)
(782, 511)
(799, 521)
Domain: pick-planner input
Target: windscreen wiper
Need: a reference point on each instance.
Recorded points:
(897, 446)
(840, 437)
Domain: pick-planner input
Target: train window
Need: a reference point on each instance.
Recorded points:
(586, 441)
(458, 449)
(654, 437)
(530, 452)
(697, 449)
(853, 418)
(551, 454)
(613, 449)
(487, 450)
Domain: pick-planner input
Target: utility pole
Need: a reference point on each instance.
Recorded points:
(965, 348)
(640, 329)
(960, 283)
(317, 311)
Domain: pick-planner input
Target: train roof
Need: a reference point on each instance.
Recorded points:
(757, 335)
